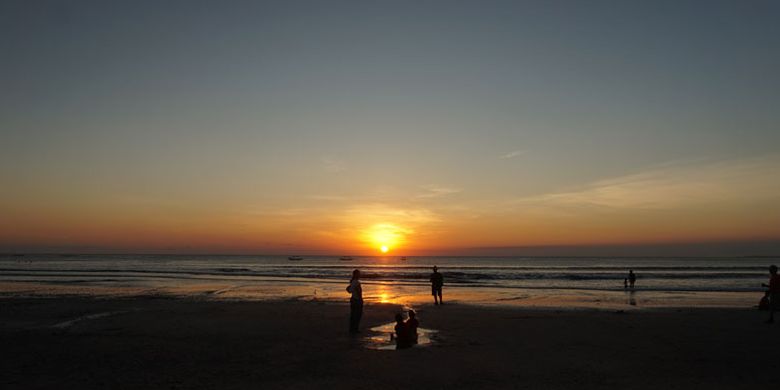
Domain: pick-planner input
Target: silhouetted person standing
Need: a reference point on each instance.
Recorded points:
(437, 282)
(774, 293)
(631, 278)
(355, 302)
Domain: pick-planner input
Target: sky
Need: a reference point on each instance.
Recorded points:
(427, 127)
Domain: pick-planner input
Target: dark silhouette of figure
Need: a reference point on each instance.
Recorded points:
(411, 326)
(631, 278)
(437, 282)
(763, 304)
(402, 339)
(355, 302)
(774, 292)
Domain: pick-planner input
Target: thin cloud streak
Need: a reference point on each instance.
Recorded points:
(435, 191)
(512, 154)
(673, 186)
(333, 165)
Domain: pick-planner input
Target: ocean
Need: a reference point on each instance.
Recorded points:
(533, 281)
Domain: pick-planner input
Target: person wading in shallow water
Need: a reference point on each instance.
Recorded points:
(774, 293)
(437, 282)
(355, 302)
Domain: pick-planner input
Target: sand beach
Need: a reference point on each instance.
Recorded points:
(164, 343)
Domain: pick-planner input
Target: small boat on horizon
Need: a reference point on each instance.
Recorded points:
(295, 258)
(346, 258)
(403, 258)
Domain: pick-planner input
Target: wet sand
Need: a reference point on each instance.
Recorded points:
(154, 343)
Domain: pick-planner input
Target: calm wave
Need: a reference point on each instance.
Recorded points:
(657, 274)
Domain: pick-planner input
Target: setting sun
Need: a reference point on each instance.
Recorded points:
(384, 236)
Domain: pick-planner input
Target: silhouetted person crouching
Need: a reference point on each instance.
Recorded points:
(411, 326)
(402, 336)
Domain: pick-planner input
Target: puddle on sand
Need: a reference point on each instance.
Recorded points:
(380, 338)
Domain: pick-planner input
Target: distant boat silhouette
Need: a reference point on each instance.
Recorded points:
(403, 258)
(345, 258)
(295, 258)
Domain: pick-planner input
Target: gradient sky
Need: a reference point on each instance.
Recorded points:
(433, 127)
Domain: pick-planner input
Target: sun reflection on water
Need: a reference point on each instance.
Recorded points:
(384, 294)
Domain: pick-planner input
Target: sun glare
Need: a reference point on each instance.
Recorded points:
(385, 236)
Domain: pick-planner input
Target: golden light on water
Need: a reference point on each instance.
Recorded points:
(384, 298)
(383, 294)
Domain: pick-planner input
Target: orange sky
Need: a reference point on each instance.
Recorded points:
(671, 204)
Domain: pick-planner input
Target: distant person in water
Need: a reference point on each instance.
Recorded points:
(437, 282)
(774, 293)
(402, 337)
(355, 302)
(411, 326)
(631, 278)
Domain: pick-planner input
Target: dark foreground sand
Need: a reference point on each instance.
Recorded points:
(148, 343)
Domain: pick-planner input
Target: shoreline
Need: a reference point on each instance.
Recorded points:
(551, 299)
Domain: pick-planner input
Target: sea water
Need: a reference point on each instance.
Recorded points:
(533, 281)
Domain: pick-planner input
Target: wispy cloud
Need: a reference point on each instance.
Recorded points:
(512, 154)
(333, 165)
(399, 215)
(329, 198)
(435, 191)
(675, 186)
